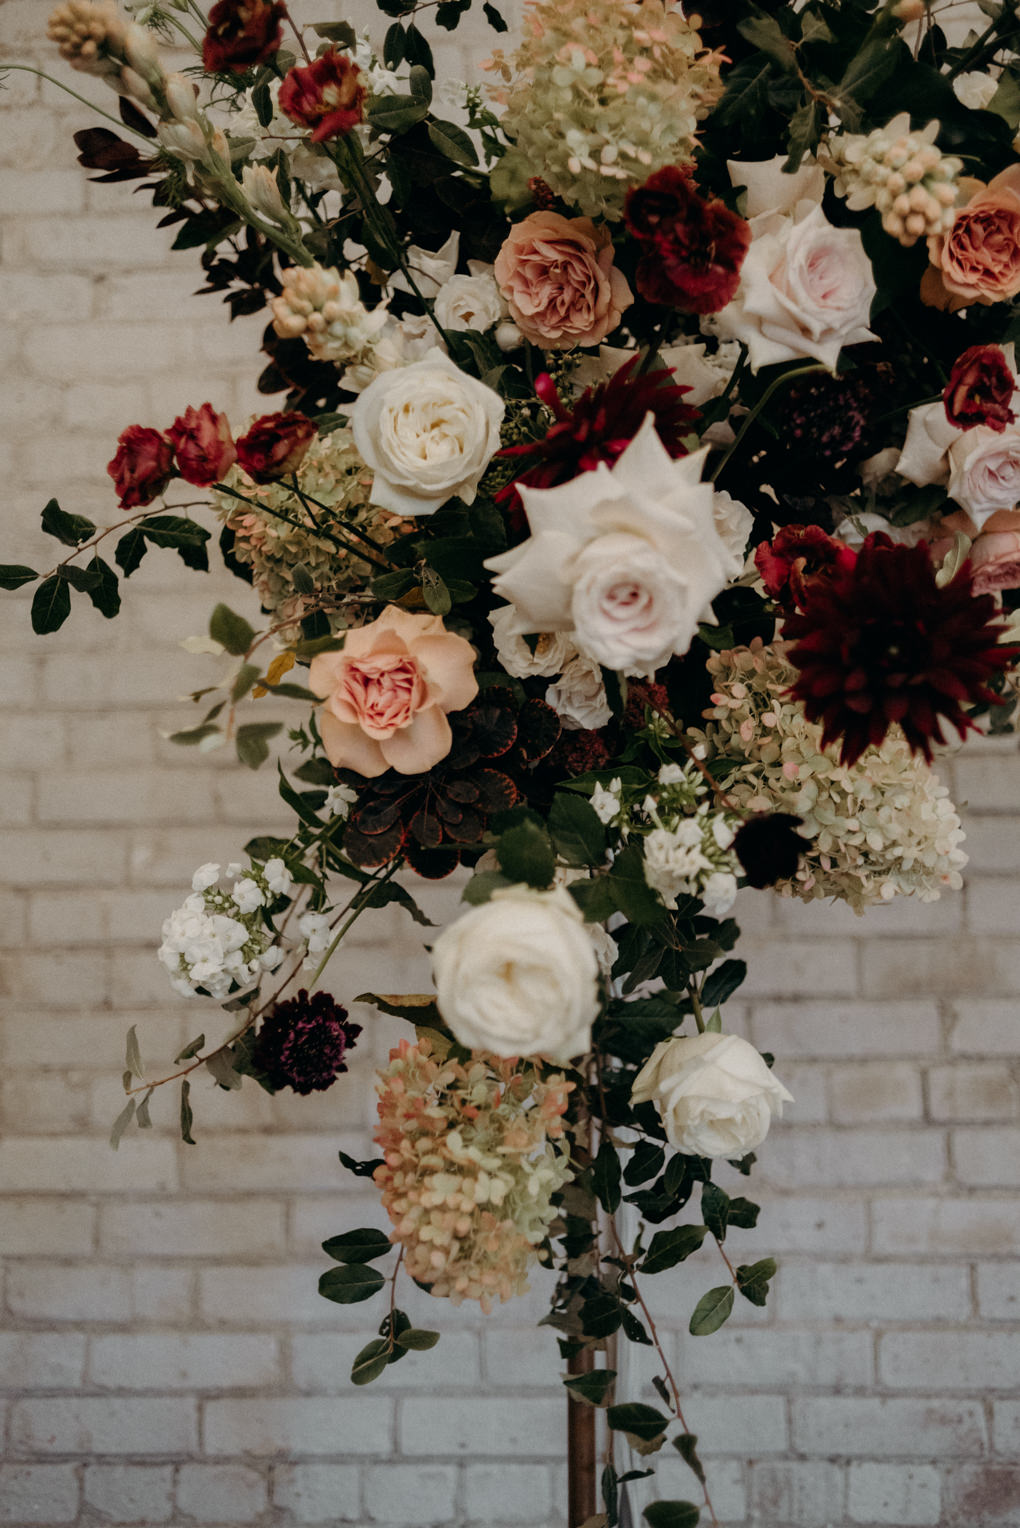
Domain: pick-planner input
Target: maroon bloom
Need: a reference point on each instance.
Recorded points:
(275, 446)
(880, 644)
(769, 848)
(980, 389)
(242, 33)
(692, 247)
(642, 695)
(303, 1043)
(797, 558)
(142, 467)
(205, 450)
(324, 95)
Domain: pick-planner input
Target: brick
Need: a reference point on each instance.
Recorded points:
(874, 1091)
(799, 1222)
(858, 1426)
(482, 1425)
(265, 1165)
(906, 1496)
(294, 1427)
(968, 1226)
(115, 240)
(989, 1495)
(991, 906)
(971, 1091)
(273, 1293)
(815, 1156)
(769, 1360)
(199, 1228)
(809, 1085)
(60, 978)
(322, 1363)
(39, 856)
(415, 1493)
(40, 191)
(847, 1030)
(38, 1493)
(105, 796)
(998, 1291)
(184, 1361)
(130, 1493)
(41, 1360)
(878, 1292)
(505, 1494)
(319, 1493)
(987, 1158)
(745, 1425)
(793, 1492)
(787, 968)
(1006, 1428)
(93, 1425)
(952, 1361)
(986, 1027)
(990, 849)
(56, 1165)
(94, 1292)
(518, 1357)
(33, 1228)
(941, 967)
(991, 783)
(221, 1493)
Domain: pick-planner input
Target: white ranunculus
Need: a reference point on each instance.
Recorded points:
(579, 697)
(470, 302)
(519, 976)
(627, 558)
(714, 1093)
(806, 287)
(428, 431)
(548, 655)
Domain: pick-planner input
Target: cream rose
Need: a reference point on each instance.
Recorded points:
(627, 558)
(386, 695)
(806, 287)
(470, 302)
(428, 431)
(559, 281)
(547, 655)
(519, 976)
(714, 1093)
(579, 697)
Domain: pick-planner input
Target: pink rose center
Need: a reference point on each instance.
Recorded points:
(380, 693)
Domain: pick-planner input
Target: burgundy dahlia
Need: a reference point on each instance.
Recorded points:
(303, 1043)
(142, 467)
(275, 446)
(325, 95)
(880, 644)
(242, 33)
(692, 247)
(798, 557)
(980, 389)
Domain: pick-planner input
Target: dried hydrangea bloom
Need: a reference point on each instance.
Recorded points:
(469, 1167)
(599, 94)
(880, 828)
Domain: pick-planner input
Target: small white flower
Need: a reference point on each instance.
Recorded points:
(205, 876)
(606, 801)
(671, 774)
(339, 800)
(718, 892)
(248, 894)
(278, 877)
(315, 931)
(579, 697)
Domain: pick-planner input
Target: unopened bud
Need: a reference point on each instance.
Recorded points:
(142, 53)
(260, 186)
(131, 84)
(185, 139)
(181, 98)
(909, 10)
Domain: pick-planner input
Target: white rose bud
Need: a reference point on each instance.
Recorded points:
(714, 1093)
(519, 976)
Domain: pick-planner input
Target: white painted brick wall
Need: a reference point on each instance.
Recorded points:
(164, 1356)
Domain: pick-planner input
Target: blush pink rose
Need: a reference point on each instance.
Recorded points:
(978, 260)
(203, 445)
(385, 697)
(995, 561)
(559, 281)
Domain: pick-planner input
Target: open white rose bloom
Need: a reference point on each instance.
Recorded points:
(714, 1092)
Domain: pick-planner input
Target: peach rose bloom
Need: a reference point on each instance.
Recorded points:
(386, 695)
(994, 552)
(558, 279)
(978, 260)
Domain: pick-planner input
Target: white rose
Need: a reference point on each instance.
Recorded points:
(549, 655)
(518, 976)
(470, 302)
(734, 522)
(429, 268)
(923, 459)
(984, 470)
(627, 558)
(428, 431)
(806, 287)
(579, 697)
(714, 1093)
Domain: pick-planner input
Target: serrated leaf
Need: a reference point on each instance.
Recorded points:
(753, 1279)
(452, 141)
(72, 530)
(671, 1247)
(132, 1054)
(51, 606)
(14, 574)
(593, 1387)
(252, 742)
(671, 1514)
(606, 1177)
(362, 1246)
(711, 1311)
(416, 1339)
(577, 832)
(373, 1359)
(187, 1116)
(121, 1123)
(351, 1283)
(231, 630)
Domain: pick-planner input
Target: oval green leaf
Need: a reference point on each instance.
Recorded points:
(351, 1283)
(711, 1311)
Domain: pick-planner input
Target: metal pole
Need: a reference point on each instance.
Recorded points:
(582, 1454)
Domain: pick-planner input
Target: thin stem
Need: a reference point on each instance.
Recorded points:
(30, 69)
(752, 414)
(699, 1016)
(337, 541)
(298, 34)
(192, 39)
(722, 1254)
(355, 915)
(307, 499)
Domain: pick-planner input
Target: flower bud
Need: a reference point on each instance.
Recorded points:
(260, 186)
(185, 139)
(181, 97)
(142, 53)
(132, 84)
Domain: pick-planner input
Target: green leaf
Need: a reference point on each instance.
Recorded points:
(525, 854)
(610, 1495)
(766, 33)
(420, 81)
(876, 62)
(418, 1007)
(232, 631)
(351, 1283)
(671, 1514)
(577, 832)
(187, 1117)
(715, 1209)
(358, 1246)
(194, 735)
(493, 17)
(592, 1388)
(104, 593)
(142, 1116)
(121, 1123)
(221, 1066)
(481, 886)
(130, 550)
(79, 578)
(417, 1339)
(686, 1446)
(640, 1421)
(397, 113)
(207, 227)
(1005, 103)
(435, 592)
(606, 1176)
(636, 899)
(371, 1362)
(711, 1311)
(262, 102)
(393, 46)
(292, 692)
(191, 1049)
(359, 1169)
(633, 1329)
(753, 1279)
(174, 531)
(744, 1212)
(51, 606)
(252, 742)
(805, 131)
(340, 32)
(132, 1055)
(245, 678)
(646, 1162)
(600, 1315)
(452, 141)
(14, 574)
(723, 982)
(72, 530)
(671, 1247)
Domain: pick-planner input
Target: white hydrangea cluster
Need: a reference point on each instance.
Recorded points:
(324, 308)
(880, 828)
(218, 941)
(902, 173)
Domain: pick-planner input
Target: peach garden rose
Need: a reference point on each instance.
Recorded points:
(559, 281)
(385, 697)
(978, 260)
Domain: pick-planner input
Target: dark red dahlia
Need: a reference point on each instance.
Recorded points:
(980, 389)
(769, 848)
(325, 95)
(880, 644)
(599, 427)
(796, 558)
(692, 247)
(275, 446)
(303, 1043)
(242, 33)
(142, 467)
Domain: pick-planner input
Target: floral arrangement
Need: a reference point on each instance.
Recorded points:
(640, 522)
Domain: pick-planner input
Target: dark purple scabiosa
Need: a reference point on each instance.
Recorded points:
(303, 1043)
(769, 848)
(881, 644)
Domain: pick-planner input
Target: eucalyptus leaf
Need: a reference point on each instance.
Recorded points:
(121, 1123)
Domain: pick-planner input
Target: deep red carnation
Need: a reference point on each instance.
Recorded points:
(303, 1043)
(324, 95)
(881, 644)
(980, 389)
(202, 441)
(692, 247)
(798, 557)
(142, 467)
(275, 446)
(242, 33)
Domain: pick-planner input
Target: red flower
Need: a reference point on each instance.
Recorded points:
(797, 558)
(692, 247)
(275, 446)
(880, 643)
(242, 33)
(980, 389)
(202, 441)
(142, 467)
(324, 95)
(303, 1043)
